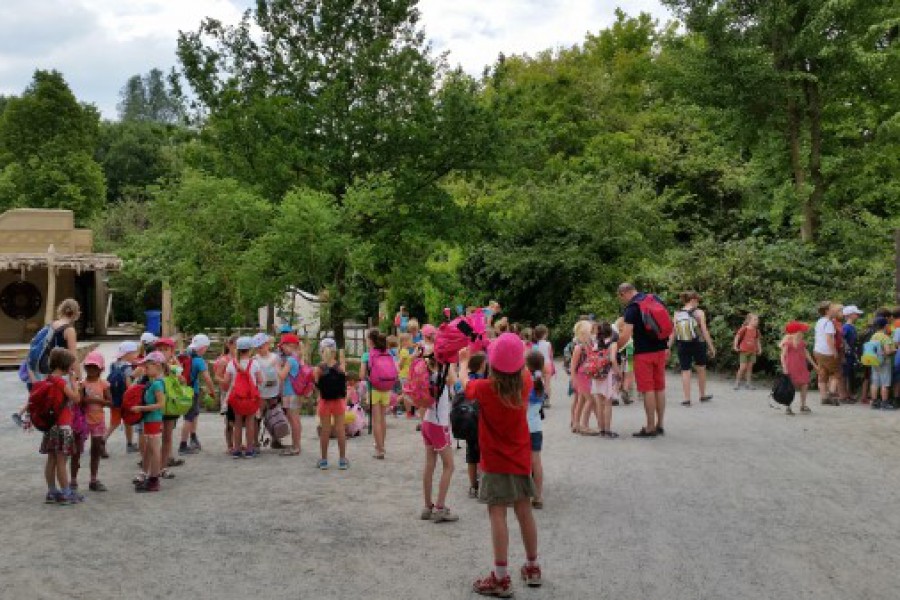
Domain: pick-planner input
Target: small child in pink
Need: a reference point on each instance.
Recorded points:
(96, 396)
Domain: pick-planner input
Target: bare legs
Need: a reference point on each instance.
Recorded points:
(500, 531)
(329, 422)
(655, 409)
(428, 475)
(379, 427)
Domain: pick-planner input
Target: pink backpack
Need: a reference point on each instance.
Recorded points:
(382, 370)
(451, 338)
(304, 382)
(418, 385)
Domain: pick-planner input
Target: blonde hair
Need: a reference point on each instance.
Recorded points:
(68, 309)
(327, 353)
(412, 325)
(582, 328)
(749, 318)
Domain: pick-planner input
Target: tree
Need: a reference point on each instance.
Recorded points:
(47, 142)
(149, 98)
(340, 98)
(138, 154)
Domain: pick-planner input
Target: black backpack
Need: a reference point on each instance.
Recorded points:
(783, 390)
(464, 418)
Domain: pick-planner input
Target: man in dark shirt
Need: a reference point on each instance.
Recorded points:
(650, 357)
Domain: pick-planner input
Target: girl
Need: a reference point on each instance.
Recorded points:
(694, 344)
(438, 443)
(413, 331)
(331, 380)
(58, 443)
(477, 370)
(748, 344)
(429, 333)
(154, 402)
(270, 384)
(795, 361)
(379, 400)
(605, 389)
(246, 425)
(404, 362)
(535, 363)
(542, 345)
(123, 371)
(581, 383)
(95, 396)
(625, 360)
(226, 411)
(290, 400)
(506, 459)
(166, 347)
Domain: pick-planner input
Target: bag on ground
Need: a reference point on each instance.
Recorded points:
(783, 390)
(45, 403)
(276, 422)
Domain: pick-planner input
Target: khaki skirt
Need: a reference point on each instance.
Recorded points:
(502, 488)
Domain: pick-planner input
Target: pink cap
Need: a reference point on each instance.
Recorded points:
(429, 330)
(154, 357)
(506, 354)
(96, 359)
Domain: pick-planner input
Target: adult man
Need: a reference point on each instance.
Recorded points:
(650, 357)
(825, 352)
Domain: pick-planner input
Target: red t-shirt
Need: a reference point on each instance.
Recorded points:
(502, 431)
(747, 338)
(64, 418)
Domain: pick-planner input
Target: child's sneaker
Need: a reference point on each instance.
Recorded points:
(322, 465)
(51, 497)
(131, 449)
(343, 464)
(427, 513)
(96, 486)
(195, 444)
(876, 404)
(473, 492)
(532, 575)
(237, 454)
(17, 419)
(185, 450)
(491, 586)
(443, 515)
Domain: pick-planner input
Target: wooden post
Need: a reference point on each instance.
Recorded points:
(49, 312)
(100, 314)
(897, 267)
(168, 322)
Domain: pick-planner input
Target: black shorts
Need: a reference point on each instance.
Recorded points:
(170, 418)
(537, 441)
(229, 414)
(691, 354)
(473, 452)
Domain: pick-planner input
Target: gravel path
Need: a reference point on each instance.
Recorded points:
(738, 501)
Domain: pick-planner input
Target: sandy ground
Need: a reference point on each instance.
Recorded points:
(737, 501)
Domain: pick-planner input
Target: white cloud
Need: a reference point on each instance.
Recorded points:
(98, 44)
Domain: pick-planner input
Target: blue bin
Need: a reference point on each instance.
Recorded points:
(154, 321)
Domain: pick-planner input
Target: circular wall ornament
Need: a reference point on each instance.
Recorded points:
(20, 300)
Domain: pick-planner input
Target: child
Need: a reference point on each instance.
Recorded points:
(225, 410)
(380, 400)
(748, 344)
(605, 388)
(795, 361)
(505, 459)
(154, 403)
(199, 371)
(429, 334)
(535, 363)
(59, 443)
(331, 380)
(477, 370)
(166, 347)
(96, 395)
(581, 383)
(243, 425)
(438, 443)
(542, 345)
(626, 364)
(120, 377)
(404, 362)
(881, 374)
(413, 331)
(290, 400)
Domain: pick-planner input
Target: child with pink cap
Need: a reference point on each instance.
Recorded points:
(96, 395)
(505, 443)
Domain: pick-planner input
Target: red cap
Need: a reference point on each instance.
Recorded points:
(164, 342)
(289, 338)
(795, 327)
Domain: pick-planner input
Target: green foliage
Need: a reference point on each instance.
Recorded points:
(136, 155)
(150, 99)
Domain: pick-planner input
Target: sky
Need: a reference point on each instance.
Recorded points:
(99, 44)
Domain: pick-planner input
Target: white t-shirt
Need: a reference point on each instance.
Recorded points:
(543, 347)
(824, 328)
(440, 413)
(231, 372)
(271, 383)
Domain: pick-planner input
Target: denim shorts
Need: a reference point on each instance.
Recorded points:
(537, 441)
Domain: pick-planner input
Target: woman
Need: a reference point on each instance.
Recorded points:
(64, 334)
(695, 345)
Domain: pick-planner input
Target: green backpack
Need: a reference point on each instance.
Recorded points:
(179, 397)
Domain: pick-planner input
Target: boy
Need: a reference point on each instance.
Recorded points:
(881, 376)
(199, 346)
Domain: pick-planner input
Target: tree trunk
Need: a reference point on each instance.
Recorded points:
(795, 123)
(814, 113)
(337, 307)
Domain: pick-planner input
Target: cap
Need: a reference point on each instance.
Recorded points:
(506, 354)
(429, 330)
(289, 338)
(126, 348)
(795, 327)
(285, 329)
(164, 342)
(244, 343)
(259, 340)
(96, 359)
(201, 340)
(852, 310)
(154, 357)
(327, 343)
(148, 338)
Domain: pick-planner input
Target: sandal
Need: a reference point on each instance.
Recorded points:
(589, 432)
(643, 433)
(686, 403)
(290, 453)
(175, 462)
(805, 409)
(378, 456)
(166, 474)
(537, 503)
(611, 435)
(705, 398)
(96, 486)
(789, 412)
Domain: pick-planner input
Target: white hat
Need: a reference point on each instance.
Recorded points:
(148, 338)
(200, 340)
(244, 343)
(327, 343)
(259, 340)
(852, 310)
(126, 348)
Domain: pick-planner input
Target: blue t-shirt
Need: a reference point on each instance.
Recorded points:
(198, 368)
(404, 323)
(850, 340)
(535, 402)
(417, 339)
(288, 389)
(154, 416)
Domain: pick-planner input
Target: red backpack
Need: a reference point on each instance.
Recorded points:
(655, 316)
(134, 396)
(382, 370)
(596, 363)
(418, 385)
(244, 397)
(45, 402)
(186, 360)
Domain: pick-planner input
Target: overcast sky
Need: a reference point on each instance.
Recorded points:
(98, 44)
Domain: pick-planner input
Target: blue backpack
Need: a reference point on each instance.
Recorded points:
(39, 350)
(118, 383)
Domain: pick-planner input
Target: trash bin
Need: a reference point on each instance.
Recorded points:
(154, 321)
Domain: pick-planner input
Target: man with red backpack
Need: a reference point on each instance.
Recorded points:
(648, 321)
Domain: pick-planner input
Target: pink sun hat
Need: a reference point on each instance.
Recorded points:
(96, 359)
(428, 330)
(506, 354)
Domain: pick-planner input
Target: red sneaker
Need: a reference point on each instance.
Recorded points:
(532, 576)
(491, 586)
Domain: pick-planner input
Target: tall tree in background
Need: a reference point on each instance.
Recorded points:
(47, 142)
(341, 98)
(149, 98)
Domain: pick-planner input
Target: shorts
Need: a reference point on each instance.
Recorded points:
(829, 366)
(537, 441)
(473, 452)
(437, 437)
(192, 414)
(153, 428)
(380, 398)
(332, 408)
(747, 358)
(171, 418)
(98, 430)
(291, 402)
(881, 376)
(650, 371)
(229, 414)
(691, 354)
(504, 489)
(58, 439)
